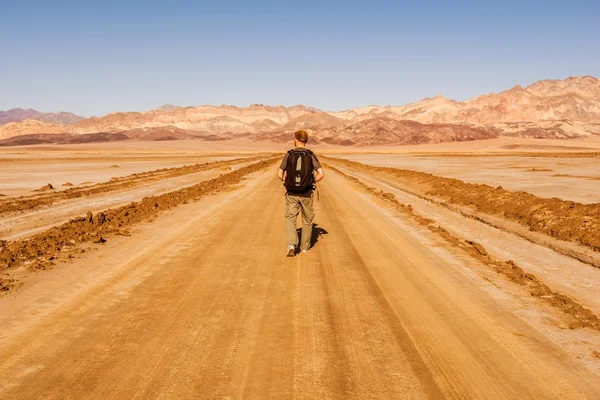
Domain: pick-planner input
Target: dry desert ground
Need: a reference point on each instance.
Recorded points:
(158, 270)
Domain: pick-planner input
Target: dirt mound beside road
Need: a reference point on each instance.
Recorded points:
(583, 316)
(561, 219)
(45, 188)
(54, 242)
(5, 284)
(27, 203)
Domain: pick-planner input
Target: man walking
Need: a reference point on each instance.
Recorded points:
(299, 170)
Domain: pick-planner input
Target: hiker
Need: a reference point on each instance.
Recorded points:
(299, 170)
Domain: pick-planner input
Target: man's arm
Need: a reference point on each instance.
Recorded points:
(281, 174)
(281, 170)
(319, 174)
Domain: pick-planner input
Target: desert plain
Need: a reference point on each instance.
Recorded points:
(157, 269)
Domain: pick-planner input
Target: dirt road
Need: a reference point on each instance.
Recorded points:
(202, 303)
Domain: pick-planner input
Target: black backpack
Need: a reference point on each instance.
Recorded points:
(299, 168)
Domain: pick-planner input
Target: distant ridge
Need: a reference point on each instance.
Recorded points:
(20, 114)
(568, 108)
(168, 107)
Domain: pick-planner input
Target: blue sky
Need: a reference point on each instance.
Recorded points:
(92, 58)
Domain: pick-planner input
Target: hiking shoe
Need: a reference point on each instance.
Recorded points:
(291, 250)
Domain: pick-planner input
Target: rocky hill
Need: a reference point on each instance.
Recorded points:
(575, 99)
(382, 131)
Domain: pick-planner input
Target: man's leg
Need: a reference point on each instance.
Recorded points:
(308, 213)
(292, 208)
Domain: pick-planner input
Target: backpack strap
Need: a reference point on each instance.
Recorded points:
(288, 165)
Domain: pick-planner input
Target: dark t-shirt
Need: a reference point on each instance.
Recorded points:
(316, 163)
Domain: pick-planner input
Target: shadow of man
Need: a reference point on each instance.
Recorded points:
(317, 232)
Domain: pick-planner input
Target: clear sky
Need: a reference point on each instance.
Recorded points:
(95, 57)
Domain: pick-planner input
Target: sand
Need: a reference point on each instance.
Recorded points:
(416, 286)
(80, 168)
(536, 175)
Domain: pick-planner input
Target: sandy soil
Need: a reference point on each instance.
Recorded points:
(379, 308)
(509, 162)
(536, 175)
(49, 209)
(561, 219)
(22, 174)
(186, 147)
(505, 241)
(160, 148)
(498, 145)
(182, 290)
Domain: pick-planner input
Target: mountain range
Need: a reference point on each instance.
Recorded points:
(20, 114)
(567, 108)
